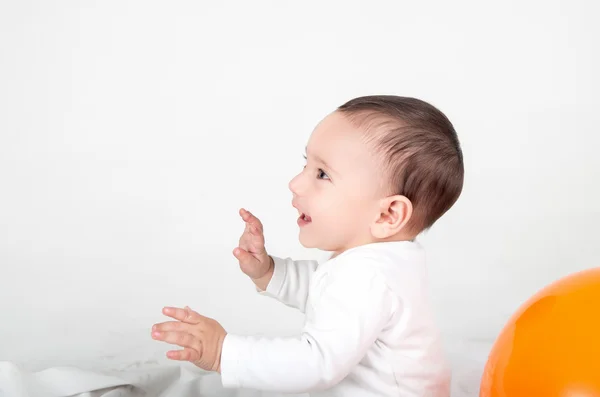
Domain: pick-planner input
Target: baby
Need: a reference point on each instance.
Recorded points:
(379, 171)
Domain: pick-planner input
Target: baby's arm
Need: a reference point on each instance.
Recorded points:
(350, 308)
(284, 279)
(290, 281)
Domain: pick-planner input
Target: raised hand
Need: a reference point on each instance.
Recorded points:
(251, 254)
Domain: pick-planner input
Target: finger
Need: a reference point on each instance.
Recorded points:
(186, 354)
(186, 314)
(244, 256)
(248, 217)
(182, 339)
(171, 326)
(255, 231)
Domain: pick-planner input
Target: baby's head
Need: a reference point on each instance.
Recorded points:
(379, 168)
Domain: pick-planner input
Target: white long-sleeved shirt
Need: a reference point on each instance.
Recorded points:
(369, 329)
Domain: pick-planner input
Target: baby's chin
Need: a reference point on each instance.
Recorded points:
(314, 243)
(307, 241)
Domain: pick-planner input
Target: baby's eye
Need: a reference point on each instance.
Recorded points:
(322, 174)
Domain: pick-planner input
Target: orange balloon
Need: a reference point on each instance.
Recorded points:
(551, 346)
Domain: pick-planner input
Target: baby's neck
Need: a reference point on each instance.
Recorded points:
(396, 238)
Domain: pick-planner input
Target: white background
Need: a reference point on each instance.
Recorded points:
(132, 132)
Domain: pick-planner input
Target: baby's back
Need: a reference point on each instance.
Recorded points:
(407, 357)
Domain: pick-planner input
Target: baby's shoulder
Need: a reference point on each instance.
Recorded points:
(401, 265)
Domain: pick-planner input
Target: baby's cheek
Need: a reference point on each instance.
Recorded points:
(342, 221)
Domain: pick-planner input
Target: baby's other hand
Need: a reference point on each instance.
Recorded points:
(201, 337)
(251, 253)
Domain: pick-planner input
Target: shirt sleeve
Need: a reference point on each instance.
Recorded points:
(291, 281)
(350, 308)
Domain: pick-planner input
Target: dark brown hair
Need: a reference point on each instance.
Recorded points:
(421, 154)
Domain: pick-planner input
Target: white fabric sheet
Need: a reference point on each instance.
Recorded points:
(173, 379)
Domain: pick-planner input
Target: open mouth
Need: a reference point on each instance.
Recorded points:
(304, 219)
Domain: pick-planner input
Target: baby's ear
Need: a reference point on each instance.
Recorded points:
(394, 213)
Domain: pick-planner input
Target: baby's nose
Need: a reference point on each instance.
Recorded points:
(294, 185)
